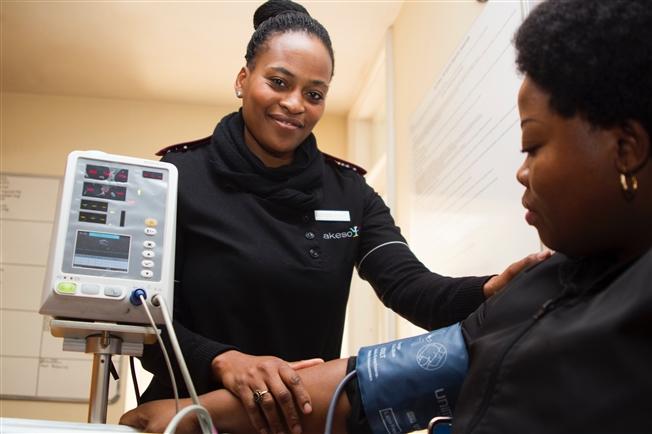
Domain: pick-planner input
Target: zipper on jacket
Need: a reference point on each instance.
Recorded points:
(603, 280)
(545, 308)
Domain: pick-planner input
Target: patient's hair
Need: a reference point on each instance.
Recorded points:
(594, 58)
(281, 16)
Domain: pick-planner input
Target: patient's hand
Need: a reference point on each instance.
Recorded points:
(154, 416)
(498, 282)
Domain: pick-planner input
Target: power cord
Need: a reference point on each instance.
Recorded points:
(134, 380)
(202, 412)
(328, 429)
(204, 417)
(139, 295)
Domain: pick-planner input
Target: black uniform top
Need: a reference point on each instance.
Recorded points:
(566, 347)
(270, 275)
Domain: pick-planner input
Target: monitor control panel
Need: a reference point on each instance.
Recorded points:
(115, 233)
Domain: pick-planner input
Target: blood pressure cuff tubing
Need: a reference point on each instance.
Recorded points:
(405, 383)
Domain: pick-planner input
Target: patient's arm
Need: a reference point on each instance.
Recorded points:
(229, 416)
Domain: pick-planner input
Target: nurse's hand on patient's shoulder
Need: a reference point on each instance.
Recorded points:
(154, 416)
(496, 283)
(264, 385)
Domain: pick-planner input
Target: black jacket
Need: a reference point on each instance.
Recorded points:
(565, 348)
(272, 280)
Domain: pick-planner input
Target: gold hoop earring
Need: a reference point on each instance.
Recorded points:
(629, 185)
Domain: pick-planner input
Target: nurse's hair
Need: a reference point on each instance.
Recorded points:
(281, 16)
(594, 58)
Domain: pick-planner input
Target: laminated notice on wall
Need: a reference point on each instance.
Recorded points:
(466, 217)
(32, 362)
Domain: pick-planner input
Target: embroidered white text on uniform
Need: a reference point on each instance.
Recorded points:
(351, 233)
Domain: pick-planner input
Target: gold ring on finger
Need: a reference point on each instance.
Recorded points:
(258, 395)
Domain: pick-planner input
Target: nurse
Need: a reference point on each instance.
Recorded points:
(270, 230)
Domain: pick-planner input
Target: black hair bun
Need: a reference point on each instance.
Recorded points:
(272, 8)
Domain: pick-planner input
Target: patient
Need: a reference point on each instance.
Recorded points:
(566, 347)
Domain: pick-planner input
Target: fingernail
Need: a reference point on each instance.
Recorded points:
(263, 431)
(296, 429)
(307, 408)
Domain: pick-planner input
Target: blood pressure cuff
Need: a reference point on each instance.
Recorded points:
(405, 383)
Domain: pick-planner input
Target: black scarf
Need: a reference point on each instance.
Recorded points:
(297, 185)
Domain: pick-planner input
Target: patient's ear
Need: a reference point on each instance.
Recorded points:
(633, 147)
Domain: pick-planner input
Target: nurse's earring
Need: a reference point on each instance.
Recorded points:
(238, 93)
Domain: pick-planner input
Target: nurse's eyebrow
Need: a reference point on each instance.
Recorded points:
(285, 71)
(282, 70)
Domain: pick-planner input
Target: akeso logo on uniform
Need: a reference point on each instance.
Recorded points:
(351, 233)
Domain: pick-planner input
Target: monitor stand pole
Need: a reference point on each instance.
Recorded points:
(103, 340)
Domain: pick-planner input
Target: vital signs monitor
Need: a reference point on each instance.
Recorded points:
(114, 235)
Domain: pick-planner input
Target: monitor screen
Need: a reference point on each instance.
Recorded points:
(105, 191)
(102, 251)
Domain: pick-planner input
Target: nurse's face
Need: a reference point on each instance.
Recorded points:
(283, 95)
(572, 195)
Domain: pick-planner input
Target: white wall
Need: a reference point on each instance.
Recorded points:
(425, 36)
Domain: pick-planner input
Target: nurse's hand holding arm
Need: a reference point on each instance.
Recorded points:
(229, 415)
(262, 383)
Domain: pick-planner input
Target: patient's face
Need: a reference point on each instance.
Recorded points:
(569, 174)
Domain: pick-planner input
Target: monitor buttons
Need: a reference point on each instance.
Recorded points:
(148, 253)
(66, 288)
(90, 289)
(147, 263)
(112, 291)
(147, 273)
(149, 244)
(150, 231)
